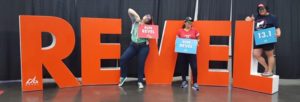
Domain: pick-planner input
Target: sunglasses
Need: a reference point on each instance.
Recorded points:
(189, 22)
(261, 9)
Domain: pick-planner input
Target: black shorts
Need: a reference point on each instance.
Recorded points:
(265, 47)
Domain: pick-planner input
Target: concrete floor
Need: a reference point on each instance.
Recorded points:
(289, 91)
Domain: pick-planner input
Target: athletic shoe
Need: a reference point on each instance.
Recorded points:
(195, 87)
(267, 74)
(184, 84)
(140, 85)
(122, 80)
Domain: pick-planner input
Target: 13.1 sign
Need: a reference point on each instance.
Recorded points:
(265, 36)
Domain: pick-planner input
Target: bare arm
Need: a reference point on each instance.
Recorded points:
(278, 32)
(133, 15)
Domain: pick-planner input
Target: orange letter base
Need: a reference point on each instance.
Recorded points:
(34, 56)
(92, 51)
(245, 66)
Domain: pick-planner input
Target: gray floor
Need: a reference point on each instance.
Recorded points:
(289, 91)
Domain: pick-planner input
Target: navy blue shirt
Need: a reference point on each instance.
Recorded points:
(263, 22)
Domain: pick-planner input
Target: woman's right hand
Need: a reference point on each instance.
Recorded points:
(249, 18)
(134, 16)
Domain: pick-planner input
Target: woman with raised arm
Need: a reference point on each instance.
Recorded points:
(138, 47)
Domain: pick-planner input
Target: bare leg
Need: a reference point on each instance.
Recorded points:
(271, 60)
(257, 54)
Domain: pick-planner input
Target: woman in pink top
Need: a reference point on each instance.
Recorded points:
(189, 33)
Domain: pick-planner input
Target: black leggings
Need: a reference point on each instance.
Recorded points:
(139, 50)
(185, 60)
